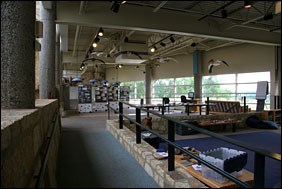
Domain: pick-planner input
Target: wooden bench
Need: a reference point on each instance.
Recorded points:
(225, 107)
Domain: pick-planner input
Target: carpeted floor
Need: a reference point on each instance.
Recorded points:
(266, 140)
(90, 157)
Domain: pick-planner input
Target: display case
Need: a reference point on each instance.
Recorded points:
(101, 94)
(84, 98)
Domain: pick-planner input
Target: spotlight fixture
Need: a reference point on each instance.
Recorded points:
(95, 45)
(172, 39)
(100, 32)
(247, 4)
(223, 13)
(82, 66)
(119, 66)
(162, 44)
(97, 39)
(153, 49)
(115, 6)
(268, 16)
(193, 44)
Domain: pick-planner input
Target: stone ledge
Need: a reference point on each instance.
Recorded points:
(157, 169)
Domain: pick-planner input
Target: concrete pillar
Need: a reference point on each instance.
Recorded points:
(58, 69)
(47, 54)
(17, 54)
(148, 82)
(198, 73)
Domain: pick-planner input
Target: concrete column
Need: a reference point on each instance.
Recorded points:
(198, 73)
(148, 81)
(17, 54)
(47, 54)
(58, 69)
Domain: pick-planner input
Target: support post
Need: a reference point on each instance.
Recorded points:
(171, 138)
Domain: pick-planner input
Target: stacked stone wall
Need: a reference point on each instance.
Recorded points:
(160, 124)
(24, 138)
(157, 169)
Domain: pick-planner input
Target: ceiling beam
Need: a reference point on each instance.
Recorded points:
(143, 19)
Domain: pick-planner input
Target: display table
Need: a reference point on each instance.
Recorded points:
(245, 176)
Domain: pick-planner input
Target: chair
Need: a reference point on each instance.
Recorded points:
(183, 99)
(165, 100)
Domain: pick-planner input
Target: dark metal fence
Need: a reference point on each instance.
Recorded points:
(260, 154)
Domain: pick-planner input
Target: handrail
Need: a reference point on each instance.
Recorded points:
(39, 177)
(260, 154)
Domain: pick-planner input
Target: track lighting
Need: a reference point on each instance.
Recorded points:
(223, 13)
(153, 49)
(97, 39)
(162, 44)
(115, 6)
(82, 66)
(95, 45)
(172, 39)
(119, 66)
(193, 44)
(268, 16)
(247, 4)
(100, 32)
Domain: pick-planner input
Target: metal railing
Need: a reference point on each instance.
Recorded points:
(39, 178)
(260, 154)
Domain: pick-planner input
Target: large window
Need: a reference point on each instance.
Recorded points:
(172, 88)
(234, 87)
(137, 90)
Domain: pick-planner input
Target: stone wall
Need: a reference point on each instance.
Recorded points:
(157, 169)
(160, 124)
(24, 138)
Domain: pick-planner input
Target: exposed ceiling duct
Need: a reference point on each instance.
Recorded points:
(132, 53)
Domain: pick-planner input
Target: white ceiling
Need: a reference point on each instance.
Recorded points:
(144, 23)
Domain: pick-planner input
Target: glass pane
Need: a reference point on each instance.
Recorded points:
(167, 91)
(247, 88)
(219, 88)
(140, 89)
(184, 81)
(253, 77)
(183, 90)
(226, 78)
(163, 82)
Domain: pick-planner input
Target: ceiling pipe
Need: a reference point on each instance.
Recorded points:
(78, 28)
(75, 39)
(231, 2)
(224, 45)
(160, 6)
